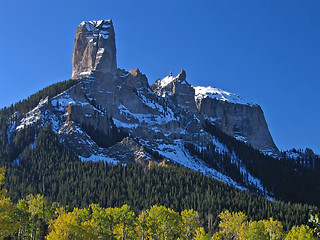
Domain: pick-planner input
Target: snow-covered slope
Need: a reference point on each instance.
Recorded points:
(218, 94)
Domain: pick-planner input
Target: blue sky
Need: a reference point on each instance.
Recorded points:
(268, 52)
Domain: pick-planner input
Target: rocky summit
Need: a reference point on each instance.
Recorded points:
(94, 48)
(114, 115)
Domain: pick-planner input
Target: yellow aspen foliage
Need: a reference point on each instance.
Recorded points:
(256, 231)
(231, 224)
(151, 164)
(68, 226)
(3, 191)
(200, 234)
(141, 226)
(189, 223)
(302, 232)
(274, 229)
(163, 164)
(8, 224)
(162, 222)
(124, 228)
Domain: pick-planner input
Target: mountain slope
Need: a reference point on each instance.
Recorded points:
(114, 115)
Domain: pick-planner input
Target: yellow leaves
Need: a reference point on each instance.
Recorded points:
(256, 230)
(189, 223)
(235, 226)
(8, 223)
(264, 229)
(162, 222)
(125, 222)
(152, 164)
(72, 225)
(274, 229)
(95, 222)
(232, 224)
(200, 234)
(163, 164)
(141, 226)
(3, 191)
(302, 232)
(67, 226)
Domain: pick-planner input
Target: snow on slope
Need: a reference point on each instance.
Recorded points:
(178, 154)
(219, 94)
(99, 157)
(148, 118)
(167, 80)
(33, 116)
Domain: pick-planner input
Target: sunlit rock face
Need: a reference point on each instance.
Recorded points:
(245, 122)
(94, 48)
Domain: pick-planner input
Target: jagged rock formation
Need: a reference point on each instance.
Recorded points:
(113, 114)
(179, 90)
(94, 48)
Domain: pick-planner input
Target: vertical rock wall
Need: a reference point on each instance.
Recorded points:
(94, 48)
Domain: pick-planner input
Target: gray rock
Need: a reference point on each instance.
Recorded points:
(244, 122)
(94, 48)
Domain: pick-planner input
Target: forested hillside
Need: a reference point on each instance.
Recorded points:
(50, 169)
(37, 162)
(36, 218)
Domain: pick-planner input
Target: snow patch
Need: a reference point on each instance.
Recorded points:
(62, 102)
(33, 116)
(178, 154)
(100, 51)
(241, 138)
(151, 119)
(167, 80)
(219, 146)
(218, 94)
(292, 155)
(99, 157)
(120, 124)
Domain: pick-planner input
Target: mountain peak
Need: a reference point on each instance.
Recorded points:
(94, 48)
(182, 75)
(135, 72)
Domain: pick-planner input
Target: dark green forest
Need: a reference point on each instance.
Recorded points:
(285, 178)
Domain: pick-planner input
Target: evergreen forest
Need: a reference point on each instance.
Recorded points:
(36, 218)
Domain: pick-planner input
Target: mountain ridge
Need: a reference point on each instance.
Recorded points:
(114, 115)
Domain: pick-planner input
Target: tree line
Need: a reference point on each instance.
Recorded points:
(35, 218)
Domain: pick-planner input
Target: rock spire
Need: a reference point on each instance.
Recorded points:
(94, 48)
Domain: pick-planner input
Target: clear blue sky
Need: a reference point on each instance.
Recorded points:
(268, 52)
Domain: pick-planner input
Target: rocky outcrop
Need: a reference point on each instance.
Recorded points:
(94, 48)
(243, 121)
(178, 90)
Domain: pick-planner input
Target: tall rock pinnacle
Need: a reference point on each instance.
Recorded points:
(94, 48)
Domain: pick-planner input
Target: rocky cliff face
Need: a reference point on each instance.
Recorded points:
(178, 90)
(237, 118)
(113, 115)
(94, 48)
